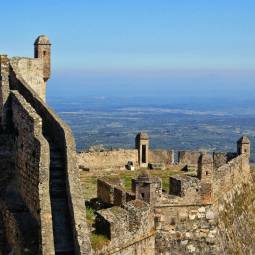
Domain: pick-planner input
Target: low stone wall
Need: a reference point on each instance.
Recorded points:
(186, 229)
(188, 157)
(130, 228)
(161, 156)
(115, 159)
(32, 166)
(112, 193)
(105, 191)
(139, 247)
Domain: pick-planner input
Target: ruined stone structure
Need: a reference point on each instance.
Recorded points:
(41, 205)
(209, 210)
(118, 158)
(186, 221)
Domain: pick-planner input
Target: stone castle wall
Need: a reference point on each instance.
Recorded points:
(4, 91)
(7, 166)
(32, 166)
(222, 158)
(115, 159)
(31, 70)
(236, 213)
(188, 157)
(190, 229)
(236, 171)
(13, 236)
(29, 146)
(161, 156)
(54, 127)
(181, 226)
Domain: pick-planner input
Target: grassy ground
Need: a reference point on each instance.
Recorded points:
(89, 183)
(89, 180)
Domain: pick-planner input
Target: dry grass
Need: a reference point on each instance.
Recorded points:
(98, 241)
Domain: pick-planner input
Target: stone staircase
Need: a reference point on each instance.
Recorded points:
(62, 230)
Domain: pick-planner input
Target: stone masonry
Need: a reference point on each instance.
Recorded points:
(209, 210)
(41, 205)
(186, 221)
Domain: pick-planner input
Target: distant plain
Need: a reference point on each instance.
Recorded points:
(177, 113)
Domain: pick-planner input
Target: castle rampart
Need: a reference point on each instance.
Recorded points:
(32, 157)
(185, 220)
(45, 145)
(61, 135)
(234, 172)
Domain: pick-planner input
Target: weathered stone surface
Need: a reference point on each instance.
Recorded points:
(101, 161)
(34, 126)
(210, 213)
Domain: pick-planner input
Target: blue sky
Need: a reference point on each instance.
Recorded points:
(134, 35)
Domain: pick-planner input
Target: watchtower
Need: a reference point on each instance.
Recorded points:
(244, 146)
(42, 50)
(142, 145)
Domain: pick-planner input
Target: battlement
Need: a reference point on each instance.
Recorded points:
(42, 175)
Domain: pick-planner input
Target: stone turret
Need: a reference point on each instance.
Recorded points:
(42, 50)
(142, 145)
(244, 146)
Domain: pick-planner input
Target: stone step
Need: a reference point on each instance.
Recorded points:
(62, 228)
(63, 234)
(57, 173)
(58, 187)
(57, 164)
(57, 194)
